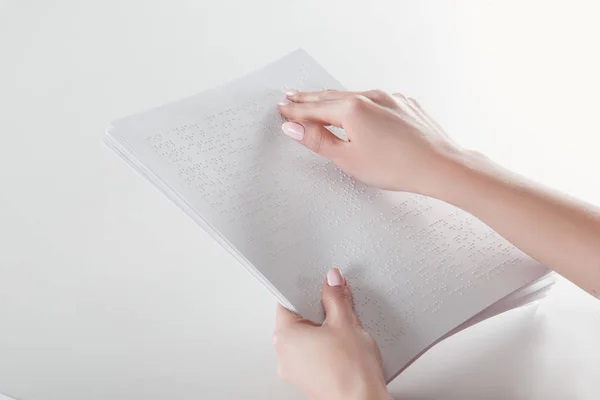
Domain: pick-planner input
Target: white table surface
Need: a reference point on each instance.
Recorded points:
(107, 291)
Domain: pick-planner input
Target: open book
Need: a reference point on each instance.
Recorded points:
(420, 269)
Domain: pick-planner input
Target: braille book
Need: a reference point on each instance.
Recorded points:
(420, 269)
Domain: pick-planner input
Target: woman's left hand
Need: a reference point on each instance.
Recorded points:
(335, 360)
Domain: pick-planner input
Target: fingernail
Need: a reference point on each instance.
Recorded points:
(293, 130)
(335, 278)
(284, 102)
(291, 92)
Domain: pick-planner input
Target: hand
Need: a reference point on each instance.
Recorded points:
(333, 361)
(392, 143)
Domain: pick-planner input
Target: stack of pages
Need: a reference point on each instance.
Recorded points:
(420, 269)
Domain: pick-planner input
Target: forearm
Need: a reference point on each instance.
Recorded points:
(560, 232)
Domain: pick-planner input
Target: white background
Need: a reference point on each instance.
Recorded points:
(107, 291)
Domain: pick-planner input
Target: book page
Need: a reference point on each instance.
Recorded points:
(418, 267)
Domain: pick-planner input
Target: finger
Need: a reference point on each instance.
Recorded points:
(400, 96)
(324, 113)
(377, 96)
(333, 112)
(414, 103)
(421, 113)
(323, 95)
(315, 137)
(337, 299)
(284, 317)
(380, 97)
(409, 107)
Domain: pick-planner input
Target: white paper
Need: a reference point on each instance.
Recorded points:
(418, 267)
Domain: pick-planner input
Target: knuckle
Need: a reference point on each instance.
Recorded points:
(329, 301)
(400, 96)
(378, 95)
(309, 97)
(339, 297)
(332, 304)
(292, 111)
(313, 140)
(346, 296)
(340, 292)
(414, 102)
(356, 103)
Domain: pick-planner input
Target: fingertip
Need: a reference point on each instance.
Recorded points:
(293, 130)
(286, 108)
(337, 299)
(323, 113)
(335, 278)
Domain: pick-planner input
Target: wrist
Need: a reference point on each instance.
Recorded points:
(456, 173)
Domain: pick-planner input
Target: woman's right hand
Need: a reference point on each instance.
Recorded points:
(392, 143)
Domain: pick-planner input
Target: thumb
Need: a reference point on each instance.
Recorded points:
(314, 136)
(337, 299)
